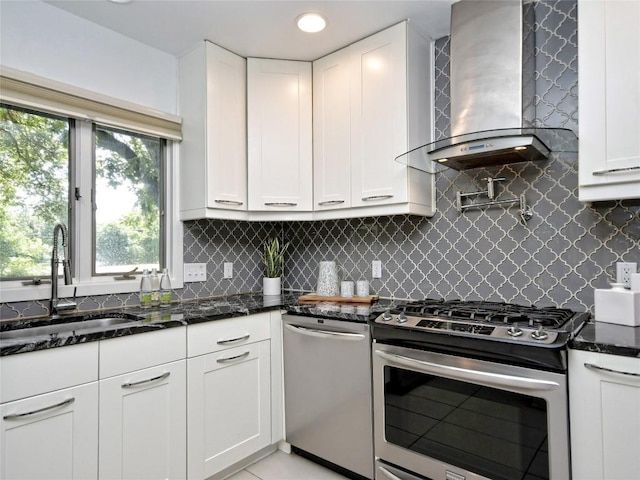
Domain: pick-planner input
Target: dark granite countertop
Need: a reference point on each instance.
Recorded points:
(66, 330)
(608, 338)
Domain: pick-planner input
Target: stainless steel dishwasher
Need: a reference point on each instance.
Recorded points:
(327, 383)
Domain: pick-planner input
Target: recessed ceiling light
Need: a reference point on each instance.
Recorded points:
(311, 22)
(121, 1)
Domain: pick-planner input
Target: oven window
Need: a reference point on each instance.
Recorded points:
(497, 434)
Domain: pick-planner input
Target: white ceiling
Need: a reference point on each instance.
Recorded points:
(258, 28)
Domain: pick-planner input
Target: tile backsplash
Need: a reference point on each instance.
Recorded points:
(565, 251)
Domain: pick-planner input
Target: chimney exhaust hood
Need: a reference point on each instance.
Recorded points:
(492, 92)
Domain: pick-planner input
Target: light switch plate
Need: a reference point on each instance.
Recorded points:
(228, 270)
(376, 269)
(195, 272)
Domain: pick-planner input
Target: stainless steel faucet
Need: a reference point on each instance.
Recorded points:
(56, 306)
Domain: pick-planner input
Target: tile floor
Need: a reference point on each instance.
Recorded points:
(283, 466)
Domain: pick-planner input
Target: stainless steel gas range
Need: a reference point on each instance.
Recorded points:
(472, 390)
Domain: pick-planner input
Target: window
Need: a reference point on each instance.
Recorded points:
(34, 189)
(128, 202)
(110, 186)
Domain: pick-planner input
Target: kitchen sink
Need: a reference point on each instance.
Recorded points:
(91, 324)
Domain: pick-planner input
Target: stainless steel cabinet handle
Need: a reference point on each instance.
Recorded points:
(598, 367)
(388, 474)
(312, 332)
(280, 204)
(615, 170)
(464, 374)
(229, 202)
(234, 358)
(376, 197)
(233, 340)
(13, 416)
(148, 380)
(330, 202)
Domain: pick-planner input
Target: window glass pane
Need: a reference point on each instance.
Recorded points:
(34, 189)
(127, 201)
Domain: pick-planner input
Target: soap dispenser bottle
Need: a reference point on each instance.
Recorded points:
(145, 290)
(165, 289)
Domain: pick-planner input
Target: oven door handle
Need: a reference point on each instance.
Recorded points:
(464, 374)
(312, 332)
(388, 474)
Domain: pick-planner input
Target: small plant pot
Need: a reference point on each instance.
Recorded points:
(271, 286)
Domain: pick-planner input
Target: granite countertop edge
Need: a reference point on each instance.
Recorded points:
(608, 338)
(190, 312)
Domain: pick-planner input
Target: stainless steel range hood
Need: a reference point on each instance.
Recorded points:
(492, 92)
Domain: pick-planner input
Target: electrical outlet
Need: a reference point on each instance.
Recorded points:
(624, 271)
(195, 272)
(228, 270)
(376, 269)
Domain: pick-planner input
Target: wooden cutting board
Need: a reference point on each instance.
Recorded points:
(312, 297)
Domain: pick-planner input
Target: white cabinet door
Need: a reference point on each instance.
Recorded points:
(332, 131)
(279, 135)
(609, 100)
(379, 118)
(213, 153)
(143, 424)
(229, 407)
(51, 436)
(605, 416)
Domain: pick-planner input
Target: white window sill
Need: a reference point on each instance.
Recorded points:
(16, 292)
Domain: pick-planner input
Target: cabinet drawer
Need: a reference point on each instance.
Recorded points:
(135, 352)
(34, 373)
(221, 334)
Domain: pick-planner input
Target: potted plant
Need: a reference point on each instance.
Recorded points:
(272, 256)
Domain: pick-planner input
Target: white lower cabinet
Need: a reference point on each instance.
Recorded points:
(142, 424)
(143, 406)
(185, 402)
(604, 396)
(229, 393)
(51, 436)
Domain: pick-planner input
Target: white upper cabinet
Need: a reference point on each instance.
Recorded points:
(609, 100)
(372, 103)
(332, 131)
(213, 153)
(279, 136)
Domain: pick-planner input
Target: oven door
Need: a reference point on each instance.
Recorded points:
(448, 417)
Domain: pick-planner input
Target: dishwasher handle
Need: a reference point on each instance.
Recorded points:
(314, 332)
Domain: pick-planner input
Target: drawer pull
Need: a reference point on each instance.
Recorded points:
(234, 340)
(330, 202)
(148, 380)
(598, 367)
(234, 358)
(376, 197)
(280, 204)
(13, 416)
(615, 170)
(229, 202)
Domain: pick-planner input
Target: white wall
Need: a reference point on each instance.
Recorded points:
(44, 40)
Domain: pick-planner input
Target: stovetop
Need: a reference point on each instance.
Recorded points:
(503, 331)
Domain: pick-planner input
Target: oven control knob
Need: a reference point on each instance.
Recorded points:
(539, 334)
(514, 330)
(402, 317)
(386, 316)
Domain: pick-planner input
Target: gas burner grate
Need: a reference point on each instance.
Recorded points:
(489, 312)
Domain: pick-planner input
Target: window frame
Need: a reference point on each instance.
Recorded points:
(81, 148)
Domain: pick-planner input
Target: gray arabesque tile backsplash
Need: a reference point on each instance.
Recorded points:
(565, 251)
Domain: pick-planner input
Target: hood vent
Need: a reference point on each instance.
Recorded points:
(492, 92)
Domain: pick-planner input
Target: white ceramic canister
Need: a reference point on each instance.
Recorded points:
(346, 289)
(362, 288)
(328, 284)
